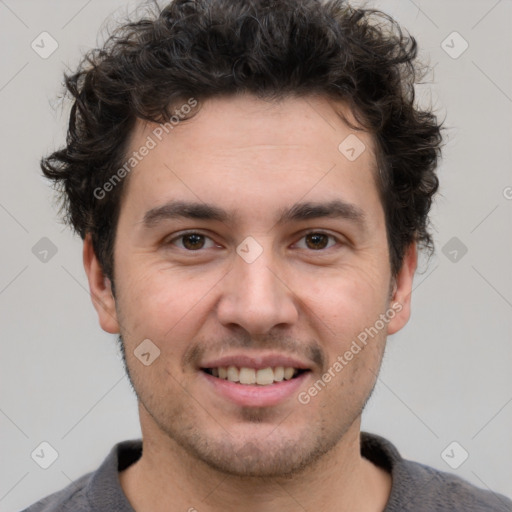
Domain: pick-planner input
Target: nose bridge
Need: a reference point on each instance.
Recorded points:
(254, 297)
(257, 281)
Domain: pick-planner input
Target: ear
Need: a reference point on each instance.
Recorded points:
(100, 288)
(401, 297)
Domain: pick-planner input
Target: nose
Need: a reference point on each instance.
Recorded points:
(256, 297)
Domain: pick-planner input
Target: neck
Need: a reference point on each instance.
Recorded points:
(168, 478)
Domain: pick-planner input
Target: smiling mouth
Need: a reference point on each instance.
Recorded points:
(252, 376)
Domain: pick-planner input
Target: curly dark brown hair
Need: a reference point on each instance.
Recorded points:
(271, 49)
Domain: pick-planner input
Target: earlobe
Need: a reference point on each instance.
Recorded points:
(401, 296)
(100, 289)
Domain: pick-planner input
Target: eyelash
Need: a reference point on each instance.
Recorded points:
(313, 232)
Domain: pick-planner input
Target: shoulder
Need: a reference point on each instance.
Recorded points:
(426, 488)
(99, 490)
(71, 498)
(417, 487)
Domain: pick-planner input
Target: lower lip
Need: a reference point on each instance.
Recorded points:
(247, 395)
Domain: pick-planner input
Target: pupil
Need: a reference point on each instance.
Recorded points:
(193, 241)
(319, 241)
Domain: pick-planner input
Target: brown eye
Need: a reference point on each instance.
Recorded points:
(192, 241)
(317, 240)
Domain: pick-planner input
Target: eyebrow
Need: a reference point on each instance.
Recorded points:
(315, 210)
(298, 212)
(184, 209)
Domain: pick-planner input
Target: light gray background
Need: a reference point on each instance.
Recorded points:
(446, 377)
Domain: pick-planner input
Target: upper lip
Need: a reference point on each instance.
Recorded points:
(256, 361)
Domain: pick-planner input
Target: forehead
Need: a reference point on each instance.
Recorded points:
(242, 147)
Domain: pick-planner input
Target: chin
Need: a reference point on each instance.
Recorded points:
(257, 451)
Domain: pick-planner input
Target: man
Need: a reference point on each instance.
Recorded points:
(252, 180)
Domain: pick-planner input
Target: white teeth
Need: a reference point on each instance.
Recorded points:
(247, 376)
(265, 376)
(262, 377)
(232, 374)
(278, 373)
(288, 373)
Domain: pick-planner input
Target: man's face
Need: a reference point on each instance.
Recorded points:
(268, 282)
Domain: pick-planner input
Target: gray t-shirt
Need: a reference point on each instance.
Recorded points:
(416, 488)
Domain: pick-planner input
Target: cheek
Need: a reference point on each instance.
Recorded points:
(157, 292)
(350, 297)
(348, 304)
(165, 306)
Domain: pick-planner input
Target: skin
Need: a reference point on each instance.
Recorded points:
(252, 158)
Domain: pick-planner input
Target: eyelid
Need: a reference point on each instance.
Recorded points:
(179, 235)
(320, 232)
